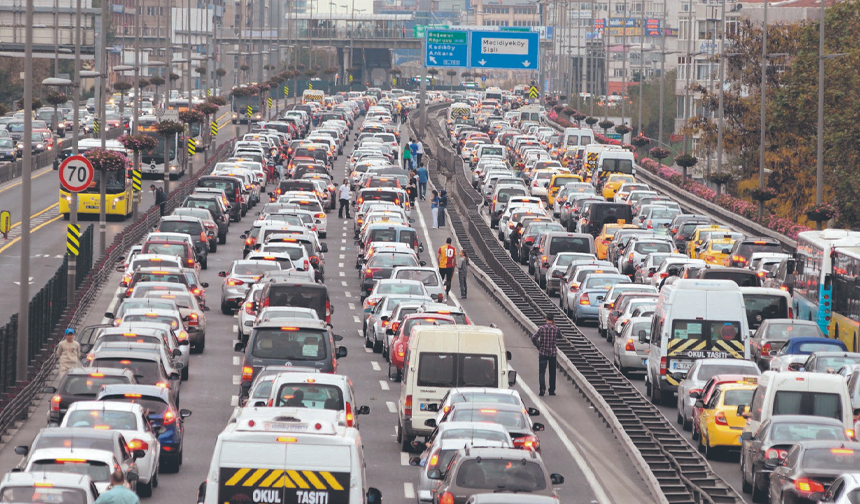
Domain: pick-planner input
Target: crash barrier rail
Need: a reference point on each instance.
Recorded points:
(13, 170)
(15, 398)
(682, 474)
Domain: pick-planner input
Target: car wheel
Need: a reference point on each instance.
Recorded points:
(679, 418)
(757, 494)
(695, 435)
(225, 309)
(655, 395)
(542, 281)
(701, 444)
(185, 373)
(377, 346)
(406, 443)
(601, 332)
(200, 346)
(213, 247)
(144, 489)
(367, 342)
(686, 424)
(531, 268)
(323, 234)
(710, 451)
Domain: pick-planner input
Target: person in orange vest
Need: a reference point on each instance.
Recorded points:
(447, 258)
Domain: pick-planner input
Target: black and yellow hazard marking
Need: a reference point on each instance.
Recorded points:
(270, 102)
(192, 147)
(135, 180)
(310, 85)
(250, 111)
(285, 486)
(95, 126)
(73, 239)
(533, 92)
(735, 348)
(208, 92)
(286, 90)
(214, 128)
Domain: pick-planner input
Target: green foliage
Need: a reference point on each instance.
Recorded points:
(55, 98)
(122, 86)
(651, 105)
(217, 100)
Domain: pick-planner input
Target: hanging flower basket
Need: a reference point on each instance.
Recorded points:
(552, 103)
(622, 129)
(191, 116)
(557, 108)
(206, 108)
(156, 80)
(106, 160)
(138, 143)
(659, 153)
(217, 100)
(244, 68)
(169, 128)
(568, 111)
(200, 70)
(720, 178)
(240, 91)
(686, 161)
(591, 121)
(220, 72)
(821, 213)
(579, 116)
(763, 193)
(55, 98)
(263, 86)
(640, 140)
(254, 89)
(605, 125)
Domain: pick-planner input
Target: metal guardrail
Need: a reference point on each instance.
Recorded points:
(682, 474)
(15, 398)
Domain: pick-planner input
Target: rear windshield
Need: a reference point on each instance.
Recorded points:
(87, 385)
(506, 418)
(832, 364)
(177, 249)
(823, 346)
(309, 395)
(793, 433)
(400, 288)
(98, 471)
(295, 253)
(100, 419)
(392, 261)
(761, 307)
(604, 282)
(152, 405)
(41, 495)
(707, 372)
(652, 247)
(505, 194)
(152, 276)
(428, 278)
(815, 403)
(289, 343)
(742, 278)
(457, 370)
(299, 297)
(383, 235)
(832, 459)
(255, 269)
(146, 371)
(501, 475)
(409, 324)
(149, 317)
(189, 228)
(474, 433)
(747, 249)
(153, 263)
(737, 397)
(560, 244)
(784, 331)
(228, 186)
(710, 330)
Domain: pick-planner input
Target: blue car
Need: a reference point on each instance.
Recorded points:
(795, 352)
(163, 415)
(591, 293)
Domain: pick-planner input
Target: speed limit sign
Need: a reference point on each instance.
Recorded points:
(76, 173)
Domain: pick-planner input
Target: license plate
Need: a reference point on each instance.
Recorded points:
(92, 207)
(276, 426)
(681, 365)
(644, 362)
(423, 406)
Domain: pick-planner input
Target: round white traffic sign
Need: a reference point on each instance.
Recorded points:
(76, 173)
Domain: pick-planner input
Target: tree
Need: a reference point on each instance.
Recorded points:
(651, 105)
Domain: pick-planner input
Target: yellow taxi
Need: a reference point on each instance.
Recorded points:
(713, 250)
(699, 236)
(568, 156)
(556, 182)
(614, 182)
(721, 420)
(601, 243)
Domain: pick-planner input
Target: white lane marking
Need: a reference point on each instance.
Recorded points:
(383, 384)
(237, 361)
(234, 401)
(360, 334)
(368, 350)
(341, 256)
(235, 328)
(404, 458)
(409, 490)
(343, 283)
(236, 315)
(343, 240)
(351, 306)
(391, 406)
(237, 379)
(590, 477)
(356, 319)
(340, 265)
(347, 294)
(375, 366)
(342, 273)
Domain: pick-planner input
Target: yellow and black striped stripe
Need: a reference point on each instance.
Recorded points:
(214, 128)
(73, 239)
(278, 478)
(192, 147)
(135, 180)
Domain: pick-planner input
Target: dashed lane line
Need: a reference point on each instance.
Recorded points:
(409, 490)
(392, 408)
(356, 319)
(383, 384)
(375, 366)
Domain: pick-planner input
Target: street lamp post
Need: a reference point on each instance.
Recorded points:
(21, 373)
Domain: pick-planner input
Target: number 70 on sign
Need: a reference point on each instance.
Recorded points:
(76, 173)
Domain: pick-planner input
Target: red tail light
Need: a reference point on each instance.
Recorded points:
(196, 292)
(740, 259)
(249, 308)
(191, 262)
(234, 281)
(319, 215)
(650, 225)
(327, 311)
(776, 453)
(784, 288)
(446, 498)
(720, 419)
(628, 347)
(55, 403)
(530, 442)
(169, 417)
(193, 319)
(664, 274)
(203, 236)
(808, 486)
(407, 406)
(766, 350)
(250, 241)
(125, 280)
(790, 311)
(350, 419)
(247, 373)
(584, 300)
(163, 384)
(630, 257)
(662, 366)
(679, 236)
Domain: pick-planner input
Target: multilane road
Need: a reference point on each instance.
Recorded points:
(575, 444)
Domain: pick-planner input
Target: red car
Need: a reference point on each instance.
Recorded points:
(402, 329)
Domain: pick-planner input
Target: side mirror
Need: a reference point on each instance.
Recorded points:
(176, 376)
(176, 353)
(184, 342)
(337, 337)
(245, 386)
(243, 236)
(695, 395)
(49, 390)
(120, 268)
(132, 476)
(747, 436)
(185, 413)
(205, 285)
(86, 348)
(222, 274)
(260, 404)
(508, 355)
(356, 242)
(512, 378)
(431, 422)
(238, 346)
(109, 315)
(742, 408)
(22, 450)
(538, 427)
(422, 263)
(420, 247)
(699, 404)
(533, 411)
(323, 248)
(385, 318)
(363, 410)
(556, 478)
(341, 352)
(415, 461)
(816, 497)
(138, 454)
(435, 474)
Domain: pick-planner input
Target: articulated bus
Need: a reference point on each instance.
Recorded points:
(196, 129)
(813, 290)
(845, 322)
(118, 191)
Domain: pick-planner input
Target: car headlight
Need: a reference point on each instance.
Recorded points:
(40, 146)
(173, 168)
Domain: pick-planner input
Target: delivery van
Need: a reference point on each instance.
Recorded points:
(439, 358)
(288, 456)
(694, 319)
(577, 136)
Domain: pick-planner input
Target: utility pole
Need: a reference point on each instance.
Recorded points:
(662, 73)
(721, 123)
(76, 125)
(101, 102)
(167, 86)
(188, 160)
(135, 196)
(592, 64)
(641, 65)
(624, 66)
(607, 30)
(687, 90)
(21, 373)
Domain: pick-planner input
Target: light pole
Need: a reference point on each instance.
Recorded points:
(24, 279)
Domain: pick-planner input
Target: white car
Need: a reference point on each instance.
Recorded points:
(129, 419)
(99, 463)
(50, 486)
(247, 313)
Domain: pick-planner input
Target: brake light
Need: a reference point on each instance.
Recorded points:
(162, 384)
(790, 310)
(628, 347)
(776, 453)
(584, 300)
(234, 281)
(740, 259)
(191, 262)
(766, 349)
(650, 225)
(193, 319)
(169, 417)
(807, 485)
(249, 308)
(662, 366)
(247, 373)
(630, 257)
(720, 419)
(55, 403)
(125, 280)
(446, 498)
(529, 442)
(137, 444)
(784, 288)
(407, 407)
(350, 419)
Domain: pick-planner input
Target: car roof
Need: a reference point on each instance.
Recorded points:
(106, 405)
(148, 390)
(297, 323)
(57, 478)
(108, 371)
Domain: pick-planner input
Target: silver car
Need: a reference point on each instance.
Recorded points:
(630, 350)
(238, 280)
(427, 275)
(699, 374)
(609, 302)
(559, 266)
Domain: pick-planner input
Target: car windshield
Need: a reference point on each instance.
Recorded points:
(604, 281)
(784, 331)
(310, 395)
(652, 247)
(176, 249)
(89, 385)
(456, 370)
(289, 343)
(101, 419)
(146, 371)
(706, 372)
(832, 459)
(832, 364)
(43, 495)
(793, 433)
(791, 402)
(428, 278)
(97, 470)
(501, 475)
(747, 249)
(6, 143)
(255, 269)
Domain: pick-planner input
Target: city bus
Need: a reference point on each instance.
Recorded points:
(195, 129)
(845, 320)
(813, 291)
(239, 106)
(118, 194)
(152, 161)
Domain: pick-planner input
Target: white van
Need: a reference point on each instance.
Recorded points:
(764, 303)
(800, 393)
(592, 153)
(442, 357)
(694, 319)
(577, 136)
(313, 95)
(279, 455)
(614, 161)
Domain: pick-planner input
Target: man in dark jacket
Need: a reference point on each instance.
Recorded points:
(160, 198)
(443, 205)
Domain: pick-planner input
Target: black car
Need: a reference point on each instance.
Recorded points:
(82, 384)
(304, 343)
(682, 228)
(742, 250)
(601, 213)
(233, 188)
(193, 227)
(380, 267)
(809, 468)
(222, 217)
(8, 149)
(774, 439)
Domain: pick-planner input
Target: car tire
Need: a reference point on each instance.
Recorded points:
(225, 309)
(686, 423)
(367, 342)
(377, 346)
(406, 443)
(758, 495)
(601, 332)
(323, 235)
(170, 465)
(655, 395)
(679, 418)
(695, 435)
(144, 489)
(185, 373)
(213, 247)
(710, 451)
(531, 268)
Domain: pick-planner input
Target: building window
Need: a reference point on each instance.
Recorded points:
(703, 70)
(618, 72)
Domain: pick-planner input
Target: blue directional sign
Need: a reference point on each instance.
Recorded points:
(446, 48)
(505, 50)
